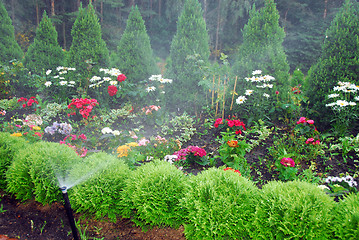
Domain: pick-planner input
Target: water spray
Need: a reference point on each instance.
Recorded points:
(69, 212)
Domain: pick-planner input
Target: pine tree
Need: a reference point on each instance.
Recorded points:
(9, 48)
(134, 56)
(189, 49)
(262, 45)
(88, 52)
(339, 60)
(45, 52)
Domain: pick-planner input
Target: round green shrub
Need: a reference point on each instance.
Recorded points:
(293, 210)
(152, 194)
(36, 169)
(9, 145)
(99, 195)
(220, 205)
(346, 220)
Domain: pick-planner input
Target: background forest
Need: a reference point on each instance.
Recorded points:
(304, 22)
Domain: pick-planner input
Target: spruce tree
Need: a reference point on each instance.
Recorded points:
(134, 56)
(9, 48)
(189, 51)
(339, 60)
(88, 51)
(45, 52)
(262, 45)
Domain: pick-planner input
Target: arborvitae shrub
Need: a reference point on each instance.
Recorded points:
(34, 171)
(346, 220)
(220, 205)
(9, 145)
(45, 52)
(9, 48)
(152, 194)
(105, 177)
(293, 210)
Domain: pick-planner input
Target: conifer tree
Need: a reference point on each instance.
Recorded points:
(45, 52)
(339, 60)
(134, 56)
(9, 48)
(88, 51)
(189, 51)
(262, 45)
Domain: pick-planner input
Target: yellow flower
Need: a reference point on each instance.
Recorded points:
(123, 151)
(36, 128)
(16, 134)
(132, 144)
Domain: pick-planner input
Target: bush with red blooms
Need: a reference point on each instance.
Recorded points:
(121, 77)
(112, 90)
(31, 102)
(231, 169)
(235, 124)
(190, 155)
(83, 105)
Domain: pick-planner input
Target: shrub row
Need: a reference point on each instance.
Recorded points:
(215, 204)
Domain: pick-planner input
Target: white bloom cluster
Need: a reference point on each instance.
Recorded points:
(346, 87)
(348, 179)
(97, 81)
(150, 89)
(113, 71)
(61, 71)
(160, 79)
(257, 79)
(108, 130)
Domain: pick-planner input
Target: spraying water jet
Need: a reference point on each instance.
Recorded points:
(69, 212)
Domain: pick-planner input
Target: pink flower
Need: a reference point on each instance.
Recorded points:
(287, 162)
(143, 142)
(82, 136)
(301, 120)
(276, 92)
(230, 123)
(309, 140)
(316, 142)
(310, 121)
(217, 122)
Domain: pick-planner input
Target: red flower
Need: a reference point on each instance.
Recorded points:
(287, 162)
(237, 171)
(112, 90)
(276, 92)
(121, 77)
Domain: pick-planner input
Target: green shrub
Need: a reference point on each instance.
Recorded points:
(152, 195)
(346, 220)
(34, 169)
(219, 204)
(100, 194)
(8, 147)
(293, 210)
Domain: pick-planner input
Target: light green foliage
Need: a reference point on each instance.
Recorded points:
(345, 145)
(152, 195)
(9, 48)
(8, 147)
(32, 173)
(293, 210)
(339, 60)
(180, 127)
(134, 56)
(262, 46)
(100, 194)
(257, 134)
(9, 104)
(346, 220)
(51, 111)
(220, 205)
(191, 39)
(45, 52)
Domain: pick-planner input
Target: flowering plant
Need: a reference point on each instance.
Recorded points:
(231, 169)
(340, 186)
(191, 155)
(24, 128)
(83, 105)
(156, 88)
(286, 168)
(31, 102)
(57, 130)
(235, 125)
(76, 142)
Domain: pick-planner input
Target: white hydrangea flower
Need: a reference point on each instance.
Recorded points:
(106, 130)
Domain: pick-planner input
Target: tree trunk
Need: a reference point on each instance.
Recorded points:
(37, 14)
(159, 7)
(325, 8)
(205, 9)
(101, 11)
(217, 29)
(63, 26)
(52, 7)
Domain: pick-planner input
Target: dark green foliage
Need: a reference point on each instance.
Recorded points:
(88, 51)
(189, 52)
(34, 169)
(339, 60)
(152, 195)
(346, 220)
(9, 48)
(293, 210)
(9, 146)
(220, 205)
(45, 52)
(100, 195)
(262, 46)
(134, 56)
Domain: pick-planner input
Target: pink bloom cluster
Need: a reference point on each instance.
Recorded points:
(196, 151)
(148, 110)
(287, 162)
(143, 142)
(305, 120)
(84, 105)
(28, 102)
(312, 141)
(160, 139)
(121, 77)
(231, 123)
(72, 137)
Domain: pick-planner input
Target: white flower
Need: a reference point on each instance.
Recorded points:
(107, 79)
(48, 72)
(116, 133)
(62, 72)
(266, 95)
(323, 187)
(57, 76)
(62, 78)
(257, 72)
(48, 84)
(342, 103)
(72, 82)
(334, 95)
(356, 98)
(95, 78)
(113, 82)
(59, 68)
(62, 83)
(71, 69)
(268, 78)
(248, 92)
(241, 99)
(352, 104)
(106, 130)
(149, 89)
(331, 104)
(155, 78)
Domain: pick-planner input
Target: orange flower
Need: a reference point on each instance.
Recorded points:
(237, 171)
(232, 143)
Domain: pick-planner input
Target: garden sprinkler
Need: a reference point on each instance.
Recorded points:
(69, 212)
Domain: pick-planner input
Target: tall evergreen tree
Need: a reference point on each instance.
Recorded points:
(262, 45)
(9, 48)
(339, 60)
(189, 48)
(88, 52)
(134, 56)
(45, 52)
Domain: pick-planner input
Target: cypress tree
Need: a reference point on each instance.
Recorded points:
(339, 60)
(134, 56)
(262, 45)
(88, 51)
(9, 48)
(45, 52)
(189, 51)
